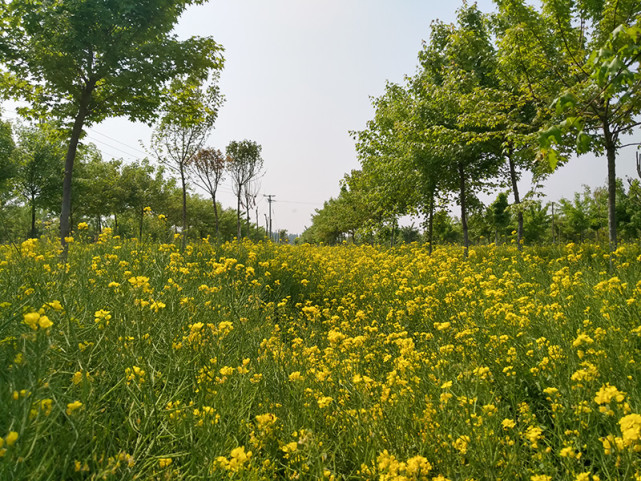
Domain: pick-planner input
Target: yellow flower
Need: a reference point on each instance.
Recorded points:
(238, 458)
(46, 406)
(55, 305)
(265, 420)
(295, 376)
(533, 434)
(11, 438)
(290, 447)
(607, 393)
(71, 407)
(508, 424)
(31, 320)
(324, 401)
(461, 444)
(164, 462)
(77, 377)
(83, 226)
(45, 322)
(630, 429)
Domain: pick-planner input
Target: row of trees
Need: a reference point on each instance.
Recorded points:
(78, 63)
(584, 217)
(109, 193)
(495, 96)
(73, 64)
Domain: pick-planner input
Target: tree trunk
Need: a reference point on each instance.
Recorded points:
(65, 211)
(553, 226)
(393, 231)
(142, 217)
(466, 239)
(238, 232)
(517, 201)
(430, 225)
(183, 242)
(248, 230)
(33, 217)
(213, 200)
(610, 149)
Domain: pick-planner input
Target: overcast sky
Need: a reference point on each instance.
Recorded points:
(297, 78)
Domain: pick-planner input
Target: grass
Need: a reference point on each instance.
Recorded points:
(258, 361)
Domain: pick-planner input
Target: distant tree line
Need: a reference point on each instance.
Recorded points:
(496, 96)
(582, 218)
(135, 199)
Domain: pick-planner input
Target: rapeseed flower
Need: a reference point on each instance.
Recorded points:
(631, 430)
(72, 407)
(11, 438)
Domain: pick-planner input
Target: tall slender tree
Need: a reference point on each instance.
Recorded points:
(189, 113)
(245, 164)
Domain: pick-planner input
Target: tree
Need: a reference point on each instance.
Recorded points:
(252, 189)
(575, 214)
(209, 167)
(7, 166)
(500, 215)
(581, 57)
(7, 172)
(388, 182)
(244, 165)
(39, 163)
(536, 221)
(100, 186)
(85, 61)
(142, 186)
(455, 80)
(189, 113)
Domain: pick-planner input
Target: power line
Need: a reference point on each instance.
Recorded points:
(110, 146)
(299, 202)
(118, 141)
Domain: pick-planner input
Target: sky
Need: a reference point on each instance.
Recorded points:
(298, 76)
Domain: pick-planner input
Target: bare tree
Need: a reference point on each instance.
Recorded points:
(252, 188)
(208, 167)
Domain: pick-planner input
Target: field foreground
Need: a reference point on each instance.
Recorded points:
(257, 361)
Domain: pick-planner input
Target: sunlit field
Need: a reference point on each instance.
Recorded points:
(259, 361)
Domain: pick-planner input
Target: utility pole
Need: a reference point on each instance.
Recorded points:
(270, 200)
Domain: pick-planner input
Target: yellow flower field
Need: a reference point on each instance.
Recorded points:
(258, 361)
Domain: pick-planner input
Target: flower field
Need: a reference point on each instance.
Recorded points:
(259, 361)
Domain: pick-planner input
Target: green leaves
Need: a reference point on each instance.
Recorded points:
(583, 143)
(546, 137)
(565, 102)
